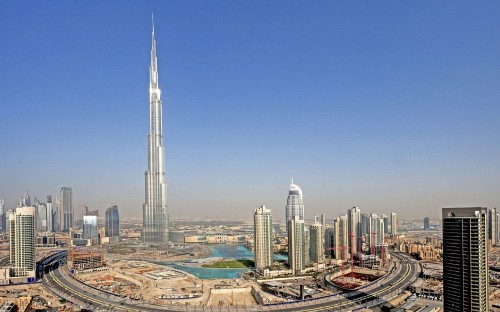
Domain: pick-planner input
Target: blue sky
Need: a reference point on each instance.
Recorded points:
(391, 106)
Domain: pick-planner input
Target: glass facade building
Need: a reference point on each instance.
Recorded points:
(66, 210)
(465, 259)
(154, 209)
(112, 222)
(90, 228)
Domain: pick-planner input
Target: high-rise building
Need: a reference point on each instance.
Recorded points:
(154, 209)
(330, 242)
(307, 245)
(427, 223)
(22, 242)
(294, 203)
(9, 213)
(498, 227)
(465, 259)
(90, 228)
(386, 223)
(263, 237)
(354, 219)
(296, 245)
(294, 211)
(316, 251)
(66, 210)
(492, 226)
(376, 236)
(365, 224)
(341, 237)
(344, 236)
(56, 226)
(24, 200)
(2, 216)
(323, 226)
(112, 223)
(394, 224)
(323, 221)
(49, 214)
(381, 232)
(41, 216)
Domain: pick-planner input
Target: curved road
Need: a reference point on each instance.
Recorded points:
(397, 282)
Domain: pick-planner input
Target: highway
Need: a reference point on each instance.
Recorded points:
(396, 284)
(375, 294)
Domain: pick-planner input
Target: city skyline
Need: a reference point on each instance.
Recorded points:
(360, 113)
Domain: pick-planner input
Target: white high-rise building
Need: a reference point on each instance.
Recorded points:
(492, 226)
(2, 216)
(343, 234)
(354, 219)
(49, 214)
(296, 245)
(263, 237)
(298, 253)
(339, 238)
(154, 209)
(376, 235)
(316, 251)
(294, 203)
(41, 217)
(9, 213)
(90, 228)
(394, 224)
(22, 242)
(498, 227)
(66, 209)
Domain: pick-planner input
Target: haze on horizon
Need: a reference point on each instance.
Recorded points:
(392, 107)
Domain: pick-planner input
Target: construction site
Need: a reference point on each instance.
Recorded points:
(85, 258)
(354, 280)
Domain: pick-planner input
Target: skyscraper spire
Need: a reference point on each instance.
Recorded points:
(155, 219)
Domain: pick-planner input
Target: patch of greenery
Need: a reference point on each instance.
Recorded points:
(230, 264)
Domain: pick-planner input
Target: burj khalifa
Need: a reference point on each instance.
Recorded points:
(154, 209)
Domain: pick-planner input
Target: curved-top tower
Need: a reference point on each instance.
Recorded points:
(294, 203)
(154, 210)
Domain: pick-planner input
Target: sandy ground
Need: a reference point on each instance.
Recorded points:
(128, 278)
(9, 293)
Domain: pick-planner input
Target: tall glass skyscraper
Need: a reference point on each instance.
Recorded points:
(112, 223)
(154, 210)
(354, 229)
(294, 203)
(394, 224)
(66, 211)
(49, 213)
(298, 253)
(90, 227)
(465, 259)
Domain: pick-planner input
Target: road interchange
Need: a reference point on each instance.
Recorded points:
(405, 273)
